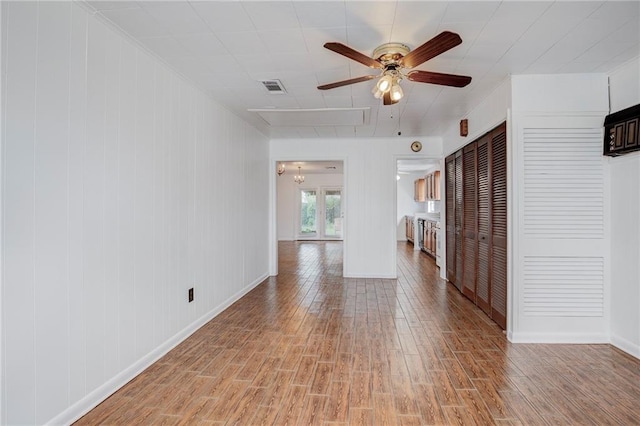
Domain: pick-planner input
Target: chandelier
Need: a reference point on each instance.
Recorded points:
(298, 178)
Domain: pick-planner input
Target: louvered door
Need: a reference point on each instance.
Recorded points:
(450, 184)
(499, 226)
(476, 222)
(469, 220)
(458, 221)
(484, 224)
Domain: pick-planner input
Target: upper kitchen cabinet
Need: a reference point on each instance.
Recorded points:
(427, 188)
(433, 185)
(420, 190)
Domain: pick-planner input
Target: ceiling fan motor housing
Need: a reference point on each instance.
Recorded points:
(390, 53)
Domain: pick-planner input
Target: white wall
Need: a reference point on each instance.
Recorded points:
(370, 185)
(624, 86)
(406, 204)
(485, 116)
(123, 186)
(287, 206)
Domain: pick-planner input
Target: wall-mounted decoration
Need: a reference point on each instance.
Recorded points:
(622, 131)
(464, 127)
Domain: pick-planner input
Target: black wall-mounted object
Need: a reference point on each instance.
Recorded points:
(622, 131)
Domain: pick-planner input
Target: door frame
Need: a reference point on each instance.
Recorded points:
(273, 206)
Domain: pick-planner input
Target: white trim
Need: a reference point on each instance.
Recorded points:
(512, 235)
(384, 277)
(91, 400)
(273, 205)
(626, 346)
(438, 165)
(273, 219)
(3, 39)
(586, 338)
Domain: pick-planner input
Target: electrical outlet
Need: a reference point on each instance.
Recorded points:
(191, 295)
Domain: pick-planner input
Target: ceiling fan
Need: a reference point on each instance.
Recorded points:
(393, 59)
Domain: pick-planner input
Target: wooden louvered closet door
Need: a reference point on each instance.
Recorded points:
(499, 226)
(450, 185)
(484, 224)
(476, 222)
(469, 221)
(458, 221)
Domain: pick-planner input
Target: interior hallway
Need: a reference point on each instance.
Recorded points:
(311, 347)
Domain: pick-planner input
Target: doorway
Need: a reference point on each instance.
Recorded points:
(326, 181)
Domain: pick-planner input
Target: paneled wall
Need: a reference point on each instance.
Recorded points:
(625, 227)
(122, 187)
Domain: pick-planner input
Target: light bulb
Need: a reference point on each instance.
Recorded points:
(378, 94)
(396, 92)
(384, 84)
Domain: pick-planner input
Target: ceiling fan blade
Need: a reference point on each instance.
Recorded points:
(386, 99)
(439, 78)
(353, 54)
(434, 47)
(346, 82)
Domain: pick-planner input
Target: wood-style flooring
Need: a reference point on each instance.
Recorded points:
(309, 347)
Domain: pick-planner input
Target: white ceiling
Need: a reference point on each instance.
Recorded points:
(227, 47)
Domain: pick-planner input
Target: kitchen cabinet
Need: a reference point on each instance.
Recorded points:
(476, 222)
(409, 228)
(420, 190)
(427, 188)
(427, 238)
(433, 185)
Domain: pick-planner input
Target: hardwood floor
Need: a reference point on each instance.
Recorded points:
(309, 347)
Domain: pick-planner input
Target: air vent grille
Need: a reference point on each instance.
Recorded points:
(274, 87)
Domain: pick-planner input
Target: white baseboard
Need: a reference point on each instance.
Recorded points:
(584, 338)
(381, 276)
(631, 348)
(91, 400)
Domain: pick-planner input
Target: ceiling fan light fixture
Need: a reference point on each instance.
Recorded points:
(394, 59)
(396, 92)
(385, 83)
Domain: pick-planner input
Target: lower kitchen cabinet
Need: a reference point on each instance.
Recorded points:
(409, 228)
(428, 243)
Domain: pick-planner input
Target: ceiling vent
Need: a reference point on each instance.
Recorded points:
(274, 87)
